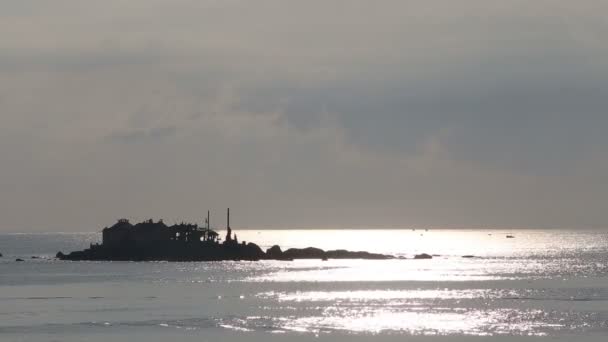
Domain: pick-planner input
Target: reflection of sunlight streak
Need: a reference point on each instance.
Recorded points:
(236, 328)
(416, 312)
(484, 243)
(438, 321)
(374, 295)
(379, 321)
(374, 270)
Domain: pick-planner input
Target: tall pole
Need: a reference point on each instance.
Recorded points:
(228, 230)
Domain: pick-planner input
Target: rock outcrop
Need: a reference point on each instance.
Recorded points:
(212, 252)
(423, 256)
(304, 253)
(275, 253)
(344, 254)
(317, 253)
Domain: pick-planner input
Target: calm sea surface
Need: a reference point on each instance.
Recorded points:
(541, 285)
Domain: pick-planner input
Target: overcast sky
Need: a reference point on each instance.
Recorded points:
(317, 113)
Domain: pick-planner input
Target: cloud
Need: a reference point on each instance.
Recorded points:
(304, 114)
(144, 136)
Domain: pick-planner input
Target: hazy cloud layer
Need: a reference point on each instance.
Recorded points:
(304, 113)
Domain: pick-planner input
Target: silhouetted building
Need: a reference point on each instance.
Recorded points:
(117, 234)
(155, 233)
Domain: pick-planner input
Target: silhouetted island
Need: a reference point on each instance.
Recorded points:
(151, 241)
(423, 256)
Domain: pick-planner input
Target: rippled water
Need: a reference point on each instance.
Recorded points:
(540, 285)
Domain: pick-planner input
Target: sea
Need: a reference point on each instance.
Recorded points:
(539, 285)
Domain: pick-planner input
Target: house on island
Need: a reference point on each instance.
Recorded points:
(148, 232)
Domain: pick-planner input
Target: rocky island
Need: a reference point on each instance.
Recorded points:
(155, 241)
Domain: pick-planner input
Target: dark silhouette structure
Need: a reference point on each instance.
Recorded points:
(149, 240)
(150, 232)
(228, 229)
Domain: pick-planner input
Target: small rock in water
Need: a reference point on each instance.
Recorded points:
(423, 256)
(18, 259)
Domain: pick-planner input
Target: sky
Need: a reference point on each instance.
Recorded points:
(304, 114)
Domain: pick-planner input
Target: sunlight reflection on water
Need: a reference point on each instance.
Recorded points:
(420, 321)
(418, 312)
(447, 242)
(378, 271)
(542, 283)
(374, 295)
